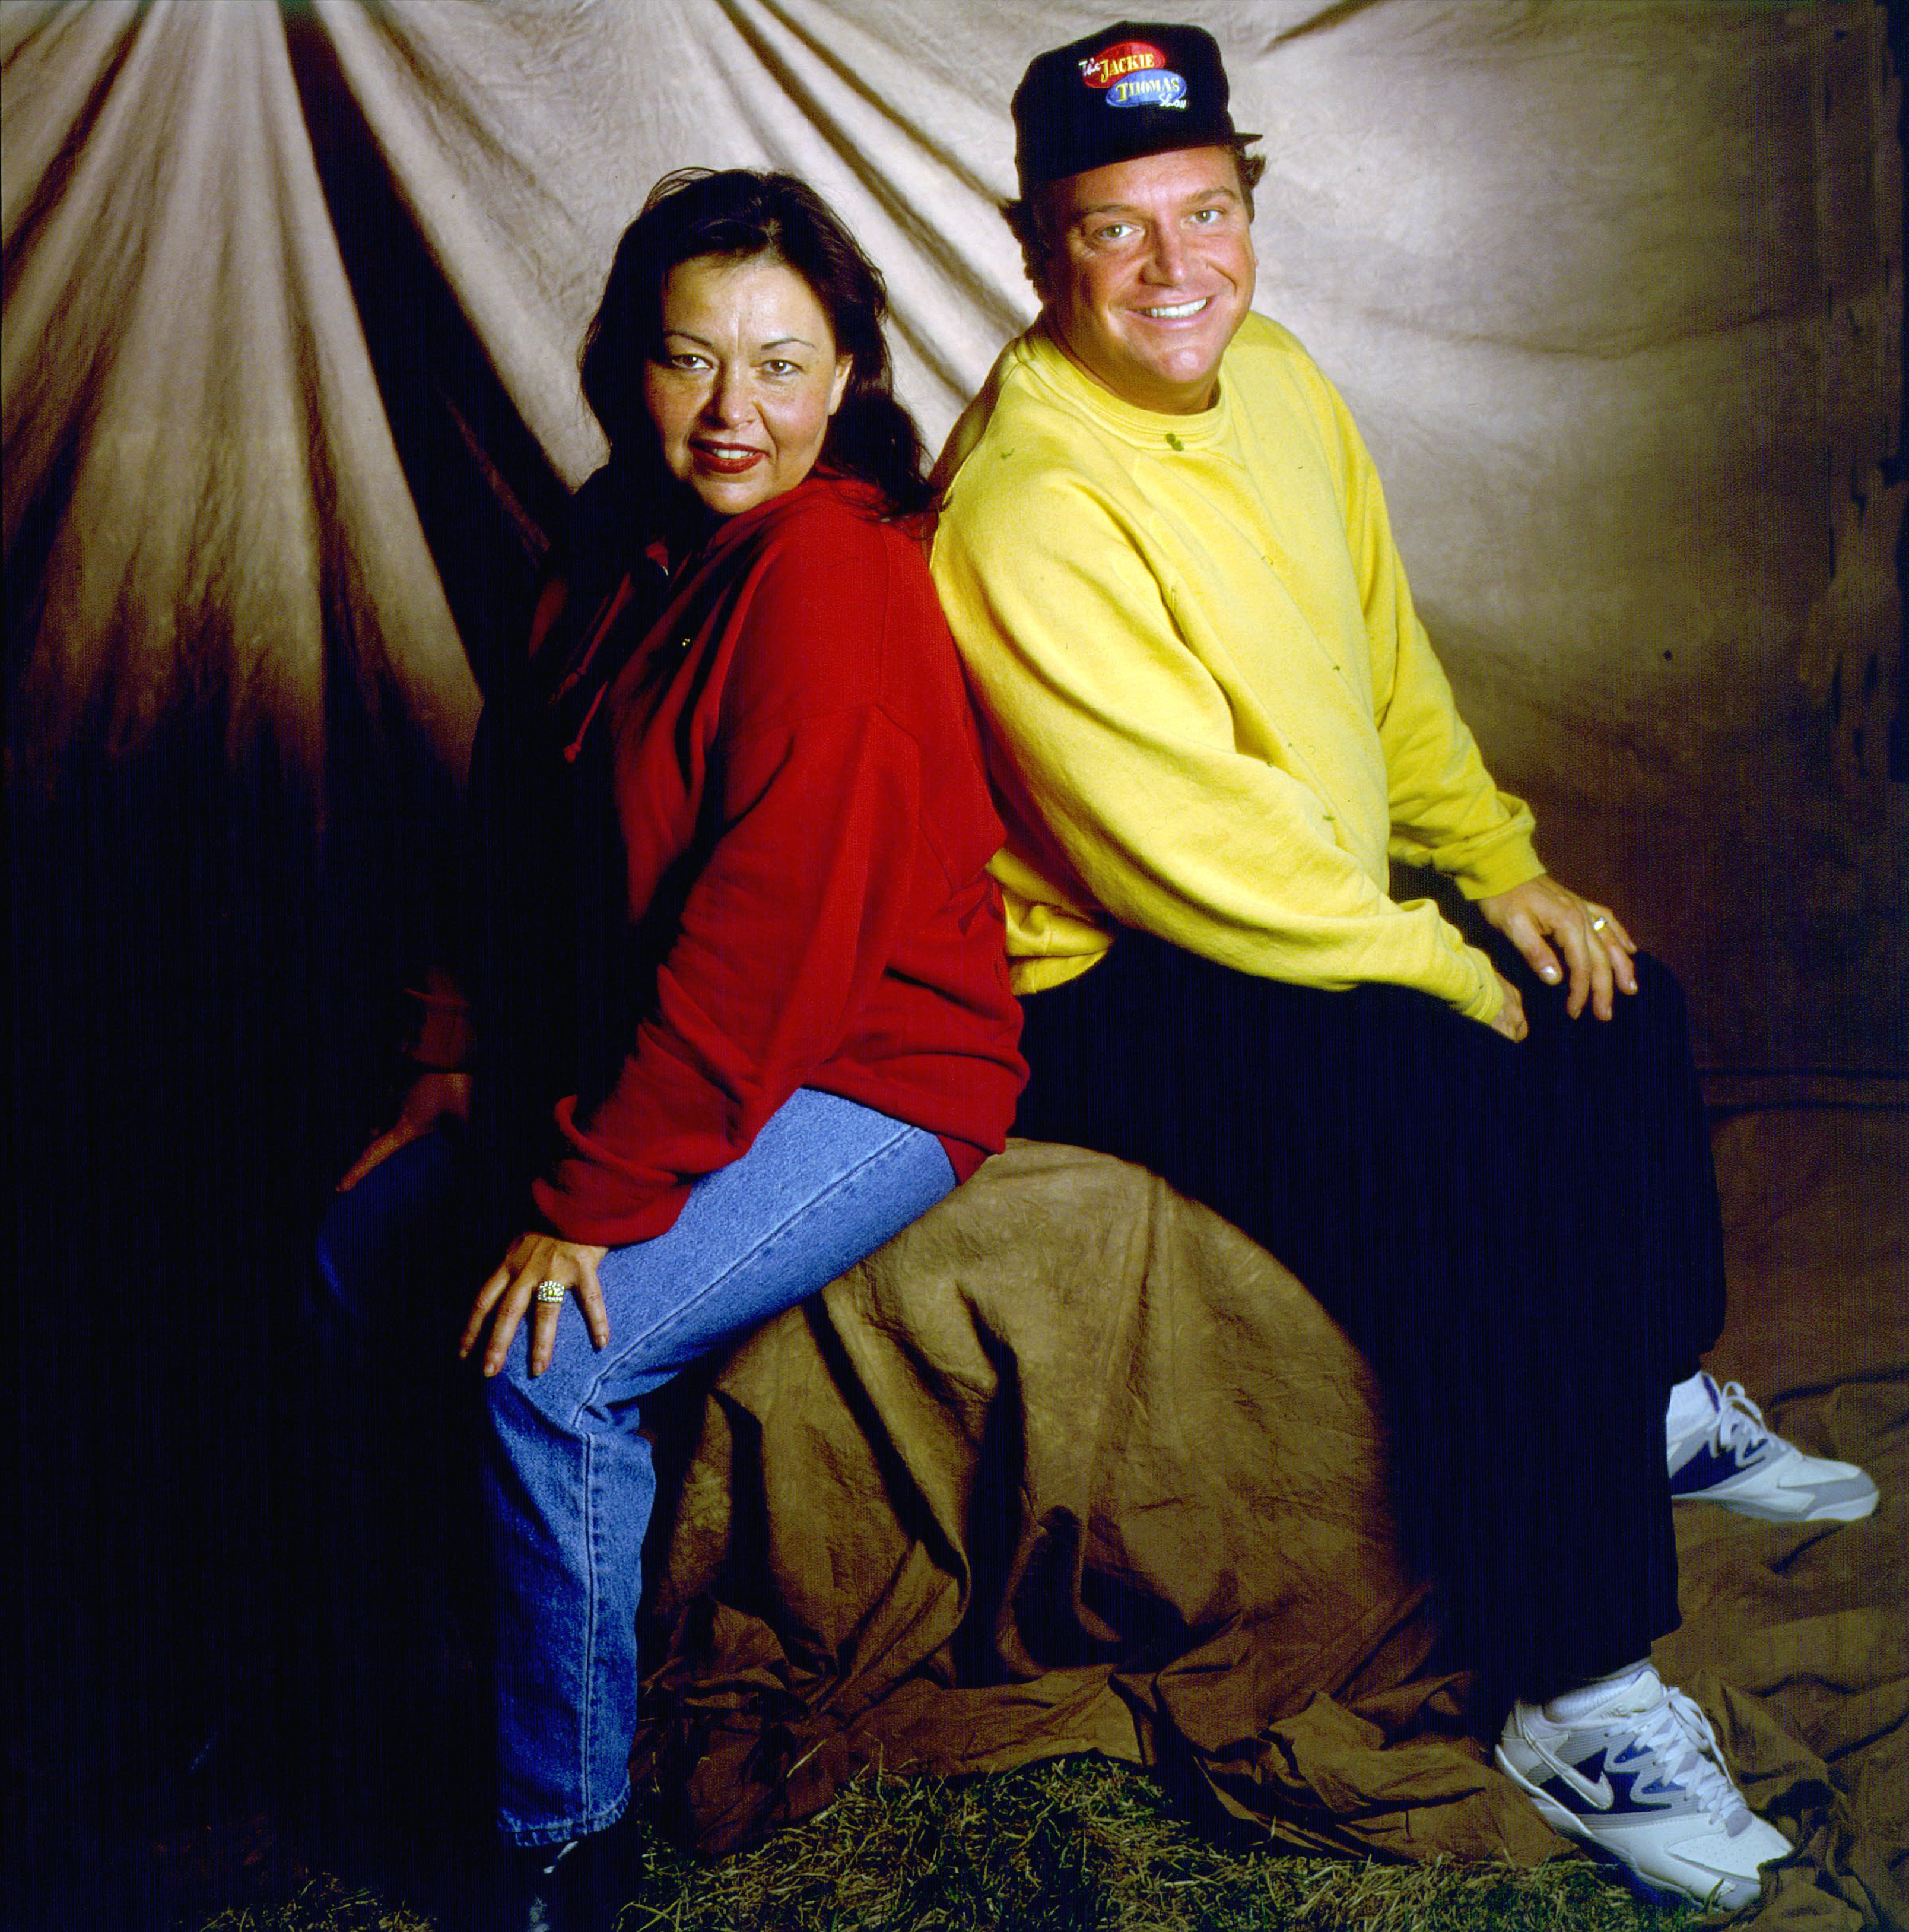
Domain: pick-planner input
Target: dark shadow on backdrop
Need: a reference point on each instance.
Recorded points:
(204, 957)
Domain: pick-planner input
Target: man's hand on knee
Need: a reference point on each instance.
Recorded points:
(1509, 1019)
(1541, 915)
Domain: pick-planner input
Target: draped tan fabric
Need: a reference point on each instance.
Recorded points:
(293, 296)
(190, 411)
(1614, 286)
(1119, 1485)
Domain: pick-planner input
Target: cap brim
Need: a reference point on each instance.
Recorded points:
(1146, 141)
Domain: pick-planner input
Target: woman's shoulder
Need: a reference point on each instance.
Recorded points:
(827, 508)
(832, 542)
(839, 596)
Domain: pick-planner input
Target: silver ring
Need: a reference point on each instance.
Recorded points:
(1599, 924)
(551, 1292)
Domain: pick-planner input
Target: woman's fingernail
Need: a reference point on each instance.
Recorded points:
(1548, 973)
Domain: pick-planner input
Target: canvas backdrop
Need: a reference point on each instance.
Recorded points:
(293, 299)
(1613, 287)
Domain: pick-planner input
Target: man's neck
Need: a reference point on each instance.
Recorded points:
(1060, 342)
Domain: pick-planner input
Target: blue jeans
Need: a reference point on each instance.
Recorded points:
(570, 1482)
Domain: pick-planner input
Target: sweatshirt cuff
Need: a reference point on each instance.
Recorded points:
(594, 1217)
(1486, 997)
(1500, 868)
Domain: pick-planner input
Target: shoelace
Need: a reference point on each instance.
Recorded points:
(1679, 1733)
(1739, 1421)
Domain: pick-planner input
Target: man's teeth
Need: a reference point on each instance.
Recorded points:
(1179, 310)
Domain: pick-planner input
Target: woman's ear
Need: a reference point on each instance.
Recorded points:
(843, 363)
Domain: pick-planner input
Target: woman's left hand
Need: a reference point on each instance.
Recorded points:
(534, 1262)
(1597, 949)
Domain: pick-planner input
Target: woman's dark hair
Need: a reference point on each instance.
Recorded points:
(739, 213)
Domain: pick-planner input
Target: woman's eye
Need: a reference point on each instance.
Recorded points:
(781, 365)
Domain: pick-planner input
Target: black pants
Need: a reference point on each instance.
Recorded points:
(1522, 1239)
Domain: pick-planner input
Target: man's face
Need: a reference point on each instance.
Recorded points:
(1150, 272)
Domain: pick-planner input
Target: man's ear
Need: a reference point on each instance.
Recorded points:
(1036, 248)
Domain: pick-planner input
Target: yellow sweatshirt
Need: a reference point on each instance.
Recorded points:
(1211, 711)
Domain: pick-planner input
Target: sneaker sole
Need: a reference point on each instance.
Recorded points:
(1851, 1509)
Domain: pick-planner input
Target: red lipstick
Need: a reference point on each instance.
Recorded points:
(728, 460)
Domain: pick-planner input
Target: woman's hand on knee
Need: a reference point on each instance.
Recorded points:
(536, 1262)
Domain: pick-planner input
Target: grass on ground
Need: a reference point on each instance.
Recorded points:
(1072, 1845)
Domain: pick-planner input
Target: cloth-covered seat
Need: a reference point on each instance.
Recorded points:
(1073, 1464)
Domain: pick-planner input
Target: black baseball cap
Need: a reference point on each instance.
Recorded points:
(1136, 87)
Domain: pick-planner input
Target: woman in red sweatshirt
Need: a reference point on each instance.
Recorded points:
(737, 802)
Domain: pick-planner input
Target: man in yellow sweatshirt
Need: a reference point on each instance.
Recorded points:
(1213, 720)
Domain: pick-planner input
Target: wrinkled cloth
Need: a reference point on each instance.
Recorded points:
(1073, 1465)
(1614, 288)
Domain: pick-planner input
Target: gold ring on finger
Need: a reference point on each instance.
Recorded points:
(551, 1292)
(1599, 924)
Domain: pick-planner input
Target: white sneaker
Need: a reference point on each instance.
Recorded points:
(1729, 1456)
(1638, 1775)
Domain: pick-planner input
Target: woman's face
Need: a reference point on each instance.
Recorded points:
(742, 387)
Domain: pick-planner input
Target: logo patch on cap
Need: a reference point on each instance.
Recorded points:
(1142, 87)
(1161, 88)
(1124, 57)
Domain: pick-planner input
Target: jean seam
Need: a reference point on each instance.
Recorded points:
(593, 1597)
(903, 1137)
